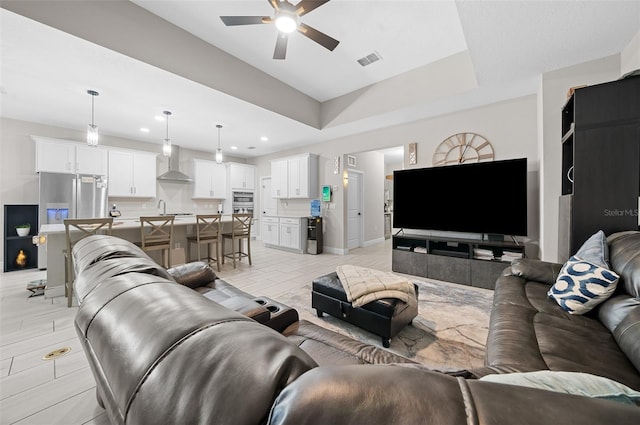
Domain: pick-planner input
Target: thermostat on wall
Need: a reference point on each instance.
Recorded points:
(326, 193)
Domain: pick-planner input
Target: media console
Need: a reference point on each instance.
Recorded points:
(471, 262)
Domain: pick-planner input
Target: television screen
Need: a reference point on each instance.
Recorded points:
(486, 197)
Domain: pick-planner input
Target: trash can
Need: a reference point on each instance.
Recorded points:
(314, 235)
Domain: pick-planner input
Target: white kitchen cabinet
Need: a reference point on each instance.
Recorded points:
(295, 176)
(210, 180)
(270, 230)
(279, 178)
(242, 176)
(61, 156)
(92, 160)
(132, 174)
(290, 232)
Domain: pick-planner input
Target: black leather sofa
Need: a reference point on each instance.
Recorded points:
(163, 352)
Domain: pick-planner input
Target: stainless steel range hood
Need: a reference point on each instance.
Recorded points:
(174, 174)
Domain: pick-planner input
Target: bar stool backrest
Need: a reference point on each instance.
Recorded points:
(156, 232)
(75, 230)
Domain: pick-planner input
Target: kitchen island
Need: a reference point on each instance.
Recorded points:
(125, 228)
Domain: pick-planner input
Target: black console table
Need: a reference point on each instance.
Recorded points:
(471, 262)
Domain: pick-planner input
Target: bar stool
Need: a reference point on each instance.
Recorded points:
(240, 229)
(156, 233)
(208, 231)
(77, 229)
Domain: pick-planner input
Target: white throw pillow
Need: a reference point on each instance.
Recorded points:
(581, 285)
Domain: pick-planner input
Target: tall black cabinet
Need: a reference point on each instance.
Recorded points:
(600, 162)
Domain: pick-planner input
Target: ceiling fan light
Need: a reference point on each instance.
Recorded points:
(286, 23)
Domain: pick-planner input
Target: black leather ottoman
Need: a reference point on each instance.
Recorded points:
(384, 317)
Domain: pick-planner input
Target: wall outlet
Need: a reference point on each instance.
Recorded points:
(177, 245)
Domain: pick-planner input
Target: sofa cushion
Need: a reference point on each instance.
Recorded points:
(627, 334)
(624, 254)
(326, 347)
(170, 356)
(587, 346)
(582, 285)
(615, 309)
(577, 383)
(595, 250)
(193, 274)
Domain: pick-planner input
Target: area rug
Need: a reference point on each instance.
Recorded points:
(449, 333)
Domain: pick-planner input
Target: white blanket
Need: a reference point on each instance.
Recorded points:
(364, 285)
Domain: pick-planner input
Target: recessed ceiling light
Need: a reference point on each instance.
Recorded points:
(144, 130)
(159, 118)
(264, 138)
(234, 148)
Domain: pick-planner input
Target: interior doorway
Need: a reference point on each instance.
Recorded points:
(355, 210)
(268, 204)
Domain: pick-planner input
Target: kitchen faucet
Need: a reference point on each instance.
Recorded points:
(164, 206)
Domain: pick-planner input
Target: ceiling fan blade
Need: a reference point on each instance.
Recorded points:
(275, 4)
(281, 46)
(306, 6)
(244, 20)
(321, 38)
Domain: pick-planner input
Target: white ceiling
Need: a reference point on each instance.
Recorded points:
(45, 72)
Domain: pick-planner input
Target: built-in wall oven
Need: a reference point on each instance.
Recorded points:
(242, 202)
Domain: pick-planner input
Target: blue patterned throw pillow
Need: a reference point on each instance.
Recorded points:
(581, 285)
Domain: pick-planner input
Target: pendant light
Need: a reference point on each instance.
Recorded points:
(166, 146)
(219, 150)
(92, 129)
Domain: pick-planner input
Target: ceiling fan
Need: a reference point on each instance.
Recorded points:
(287, 19)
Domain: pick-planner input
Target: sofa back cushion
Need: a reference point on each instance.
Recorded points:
(624, 256)
(627, 335)
(162, 353)
(99, 257)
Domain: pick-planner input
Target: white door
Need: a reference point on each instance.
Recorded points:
(355, 211)
(268, 204)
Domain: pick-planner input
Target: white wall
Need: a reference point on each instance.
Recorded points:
(511, 127)
(630, 56)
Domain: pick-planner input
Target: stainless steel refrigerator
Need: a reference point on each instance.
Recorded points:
(70, 196)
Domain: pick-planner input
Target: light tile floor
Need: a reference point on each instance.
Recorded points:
(62, 391)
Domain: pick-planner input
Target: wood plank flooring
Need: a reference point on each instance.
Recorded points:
(34, 391)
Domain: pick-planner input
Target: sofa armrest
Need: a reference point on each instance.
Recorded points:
(193, 275)
(248, 307)
(536, 270)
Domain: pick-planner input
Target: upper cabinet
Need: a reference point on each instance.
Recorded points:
(295, 176)
(279, 178)
(210, 180)
(132, 174)
(59, 156)
(241, 176)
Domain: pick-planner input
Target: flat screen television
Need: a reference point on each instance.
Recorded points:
(485, 197)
